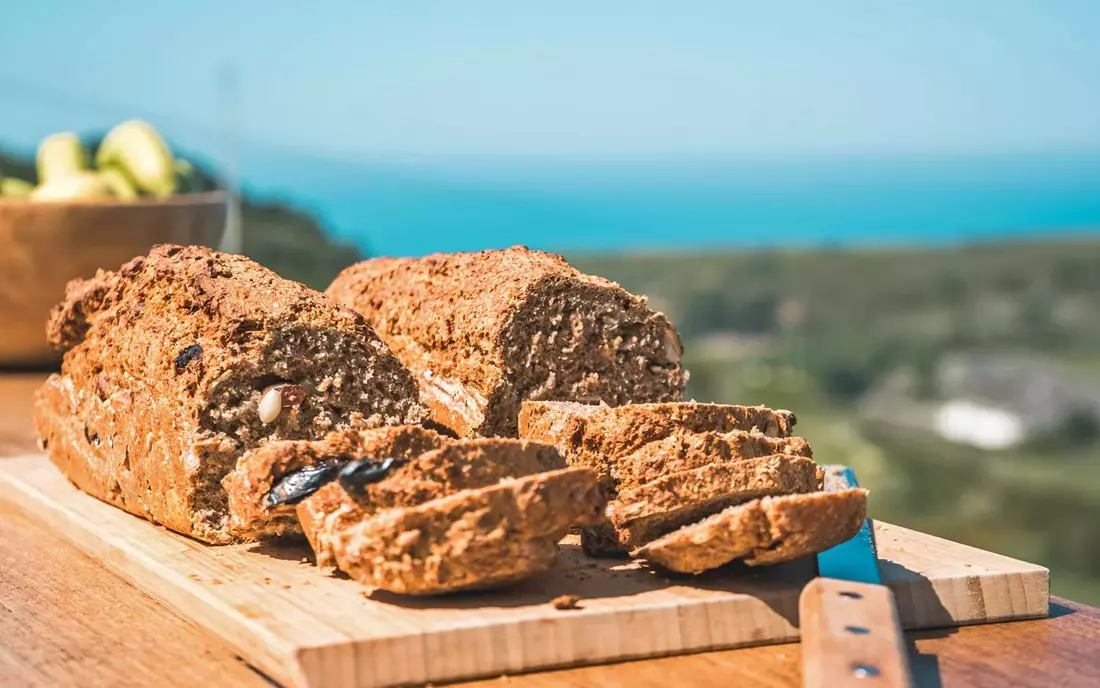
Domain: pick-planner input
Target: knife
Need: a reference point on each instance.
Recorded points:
(849, 621)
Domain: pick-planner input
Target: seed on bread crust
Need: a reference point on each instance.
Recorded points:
(271, 404)
(189, 354)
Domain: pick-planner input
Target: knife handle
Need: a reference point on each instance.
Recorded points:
(851, 636)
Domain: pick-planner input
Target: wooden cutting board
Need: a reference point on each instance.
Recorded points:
(305, 628)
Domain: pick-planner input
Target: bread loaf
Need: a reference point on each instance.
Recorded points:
(484, 331)
(182, 360)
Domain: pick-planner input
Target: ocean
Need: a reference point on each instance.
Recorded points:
(412, 209)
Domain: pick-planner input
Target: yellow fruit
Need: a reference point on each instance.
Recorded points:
(121, 187)
(77, 186)
(60, 155)
(138, 150)
(15, 188)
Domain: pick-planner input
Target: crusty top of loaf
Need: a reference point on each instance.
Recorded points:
(478, 287)
(474, 295)
(246, 296)
(238, 302)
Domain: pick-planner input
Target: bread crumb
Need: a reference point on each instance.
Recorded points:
(565, 602)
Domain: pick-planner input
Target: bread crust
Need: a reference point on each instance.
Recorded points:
(641, 514)
(762, 532)
(605, 438)
(682, 451)
(258, 471)
(165, 362)
(472, 539)
(453, 467)
(483, 331)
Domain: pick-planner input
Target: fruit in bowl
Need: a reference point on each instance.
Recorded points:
(132, 161)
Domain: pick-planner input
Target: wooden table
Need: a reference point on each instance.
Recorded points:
(67, 621)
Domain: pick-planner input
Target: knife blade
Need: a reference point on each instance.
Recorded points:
(849, 622)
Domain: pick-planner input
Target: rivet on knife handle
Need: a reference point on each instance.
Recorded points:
(851, 636)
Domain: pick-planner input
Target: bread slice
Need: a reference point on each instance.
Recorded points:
(762, 532)
(257, 471)
(641, 514)
(166, 361)
(483, 331)
(456, 466)
(683, 451)
(600, 437)
(473, 539)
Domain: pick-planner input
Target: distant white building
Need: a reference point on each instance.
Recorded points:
(991, 401)
(1007, 399)
(980, 425)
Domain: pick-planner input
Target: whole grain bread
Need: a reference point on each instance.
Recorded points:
(248, 485)
(762, 532)
(166, 361)
(472, 539)
(484, 331)
(603, 437)
(643, 513)
(456, 466)
(683, 451)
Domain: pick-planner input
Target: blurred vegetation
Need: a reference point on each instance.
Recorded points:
(814, 331)
(284, 238)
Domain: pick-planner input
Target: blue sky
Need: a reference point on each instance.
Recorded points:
(608, 80)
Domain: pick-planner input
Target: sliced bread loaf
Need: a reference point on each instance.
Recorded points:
(686, 450)
(602, 437)
(643, 513)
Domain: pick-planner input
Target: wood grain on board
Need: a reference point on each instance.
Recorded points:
(305, 628)
(65, 620)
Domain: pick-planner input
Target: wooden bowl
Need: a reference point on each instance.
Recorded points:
(44, 245)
